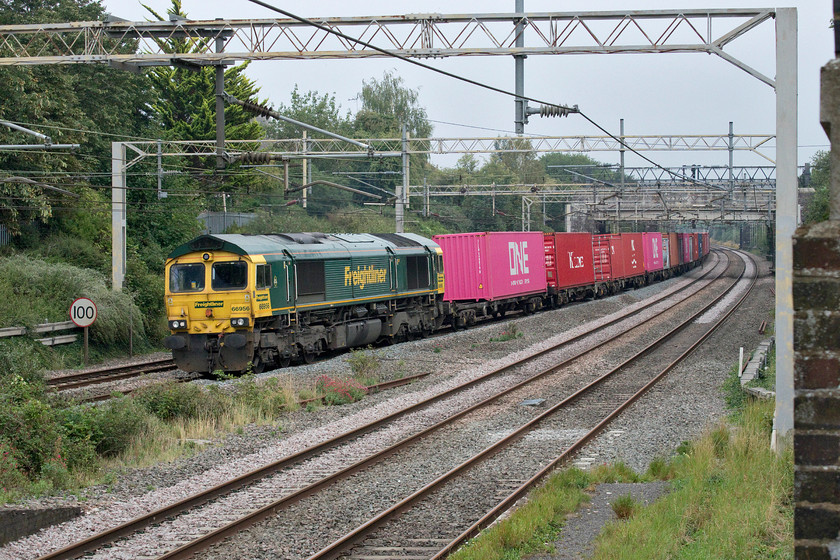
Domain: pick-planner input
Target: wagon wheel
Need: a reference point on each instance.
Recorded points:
(284, 362)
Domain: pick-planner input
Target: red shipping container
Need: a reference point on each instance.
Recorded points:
(602, 257)
(568, 259)
(489, 266)
(617, 256)
(685, 245)
(695, 247)
(674, 249)
(652, 242)
(633, 254)
(706, 241)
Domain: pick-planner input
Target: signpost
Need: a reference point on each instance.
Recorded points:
(83, 314)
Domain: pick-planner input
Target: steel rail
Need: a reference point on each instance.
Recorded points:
(520, 492)
(75, 381)
(341, 545)
(103, 375)
(157, 516)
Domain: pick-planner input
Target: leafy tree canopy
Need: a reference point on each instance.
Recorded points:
(817, 210)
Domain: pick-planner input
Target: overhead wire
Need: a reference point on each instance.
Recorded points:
(386, 52)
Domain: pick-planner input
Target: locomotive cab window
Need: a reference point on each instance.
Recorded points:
(230, 275)
(263, 276)
(417, 272)
(186, 278)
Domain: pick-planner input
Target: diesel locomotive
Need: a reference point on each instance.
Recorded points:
(249, 301)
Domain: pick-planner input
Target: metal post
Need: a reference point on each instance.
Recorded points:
(425, 199)
(305, 173)
(159, 169)
(837, 28)
(519, 72)
(401, 189)
(85, 350)
(621, 170)
(731, 154)
(220, 108)
(786, 182)
(493, 197)
(118, 215)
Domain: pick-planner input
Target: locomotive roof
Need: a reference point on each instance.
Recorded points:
(315, 244)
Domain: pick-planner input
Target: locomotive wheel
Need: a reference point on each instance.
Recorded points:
(308, 357)
(257, 366)
(284, 362)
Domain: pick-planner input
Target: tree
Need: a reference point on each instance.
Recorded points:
(817, 210)
(65, 103)
(184, 101)
(387, 104)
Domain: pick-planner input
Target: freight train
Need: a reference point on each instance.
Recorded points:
(247, 302)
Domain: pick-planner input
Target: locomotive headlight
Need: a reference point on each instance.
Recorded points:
(240, 322)
(173, 325)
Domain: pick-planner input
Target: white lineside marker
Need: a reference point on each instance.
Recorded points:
(740, 361)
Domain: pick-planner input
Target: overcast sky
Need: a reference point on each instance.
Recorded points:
(654, 93)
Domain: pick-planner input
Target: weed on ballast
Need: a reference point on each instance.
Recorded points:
(365, 366)
(625, 506)
(510, 332)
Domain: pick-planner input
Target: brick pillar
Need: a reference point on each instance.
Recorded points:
(816, 342)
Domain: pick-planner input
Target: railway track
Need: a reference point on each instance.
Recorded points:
(279, 478)
(102, 375)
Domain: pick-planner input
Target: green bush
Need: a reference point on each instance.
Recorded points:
(35, 291)
(114, 427)
(171, 400)
(10, 475)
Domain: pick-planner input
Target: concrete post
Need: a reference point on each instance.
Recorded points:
(118, 215)
(786, 183)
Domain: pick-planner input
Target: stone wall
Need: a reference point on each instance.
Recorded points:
(816, 340)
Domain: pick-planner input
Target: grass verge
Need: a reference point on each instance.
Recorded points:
(539, 520)
(731, 498)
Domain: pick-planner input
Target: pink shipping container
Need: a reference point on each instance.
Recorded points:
(489, 266)
(653, 251)
(602, 257)
(568, 259)
(632, 254)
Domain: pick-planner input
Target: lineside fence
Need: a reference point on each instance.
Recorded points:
(45, 328)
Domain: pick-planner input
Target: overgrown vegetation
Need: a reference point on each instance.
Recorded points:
(48, 444)
(532, 528)
(730, 497)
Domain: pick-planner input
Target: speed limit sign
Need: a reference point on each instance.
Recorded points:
(83, 312)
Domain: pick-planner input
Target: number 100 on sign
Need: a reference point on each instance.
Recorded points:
(83, 312)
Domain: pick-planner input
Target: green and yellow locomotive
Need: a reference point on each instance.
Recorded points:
(240, 301)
